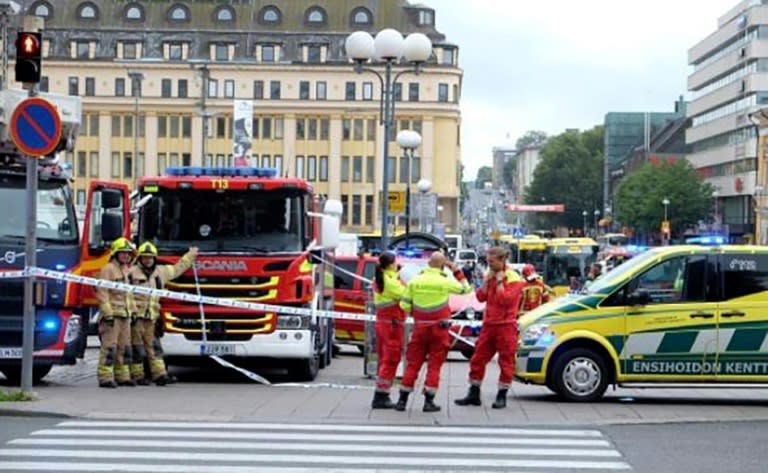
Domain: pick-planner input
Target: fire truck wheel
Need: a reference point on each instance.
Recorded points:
(13, 373)
(306, 369)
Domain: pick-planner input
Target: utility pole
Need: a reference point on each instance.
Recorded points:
(8, 8)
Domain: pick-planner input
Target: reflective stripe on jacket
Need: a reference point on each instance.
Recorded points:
(149, 307)
(387, 302)
(502, 297)
(113, 303)
(427, 294)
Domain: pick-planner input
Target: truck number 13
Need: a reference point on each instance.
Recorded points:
(220, 184)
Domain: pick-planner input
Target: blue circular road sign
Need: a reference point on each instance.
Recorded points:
(36, 127)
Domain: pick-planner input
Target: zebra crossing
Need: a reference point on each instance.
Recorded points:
(230, 447)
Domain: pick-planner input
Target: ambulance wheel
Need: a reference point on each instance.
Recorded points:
(580, 375)
(13, 373)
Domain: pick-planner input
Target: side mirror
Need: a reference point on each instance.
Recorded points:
(111, 227)
(640, 297)
(330, 232)
(111, 199)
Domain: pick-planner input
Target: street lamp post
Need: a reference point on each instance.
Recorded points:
(665, 202)
(136, 80)
(584, 225)
(388, 47)
(424, 186)
(596, 215)
(409, 140)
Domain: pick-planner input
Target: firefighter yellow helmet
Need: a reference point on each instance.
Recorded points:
(147, 249)
(121, 245)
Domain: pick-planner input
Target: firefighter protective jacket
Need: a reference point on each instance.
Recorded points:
(149, 306)
(387, 301)
(427, 295)
(114, 303)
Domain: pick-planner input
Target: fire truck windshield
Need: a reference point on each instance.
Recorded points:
(56, 221)
(237, 221)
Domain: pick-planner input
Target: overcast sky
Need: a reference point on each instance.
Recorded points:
(557, 64)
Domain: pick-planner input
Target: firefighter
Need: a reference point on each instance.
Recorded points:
(426, 298)
(535, 292)
(116, 308)
(501, 290)
(390, 332)
(147, 273)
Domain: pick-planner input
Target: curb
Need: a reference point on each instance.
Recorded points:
(9, 412)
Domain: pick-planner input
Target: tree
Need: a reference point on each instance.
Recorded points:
(484, 174)
(640, 195)
(570, 173)
(531, 138)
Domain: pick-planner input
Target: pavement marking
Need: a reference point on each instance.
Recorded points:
(321, 447)
(259, 459)
(151, 468)
(335, 428)
(310, 437)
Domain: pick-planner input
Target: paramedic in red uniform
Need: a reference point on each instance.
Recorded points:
(501, 290)
(390, 320)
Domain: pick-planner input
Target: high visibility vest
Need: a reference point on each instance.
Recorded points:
(427, 294)
(386, 300)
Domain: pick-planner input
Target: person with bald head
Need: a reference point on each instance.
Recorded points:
(426, 299)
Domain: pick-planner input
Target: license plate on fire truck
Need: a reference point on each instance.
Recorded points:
(217, 349)
(10, 353)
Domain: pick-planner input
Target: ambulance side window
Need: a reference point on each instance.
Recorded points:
(744, 275)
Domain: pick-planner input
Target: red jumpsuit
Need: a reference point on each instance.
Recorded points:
(390, 320)
(499, 331)
(427, 298)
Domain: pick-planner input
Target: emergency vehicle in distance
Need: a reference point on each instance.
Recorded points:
(59, 322)
(256, 233)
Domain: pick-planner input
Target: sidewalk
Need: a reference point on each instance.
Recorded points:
(342, 395)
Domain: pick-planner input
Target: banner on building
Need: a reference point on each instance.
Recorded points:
(242, 136)
(556, 208)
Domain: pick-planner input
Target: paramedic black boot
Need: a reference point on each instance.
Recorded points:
(381, 401)
(429, 403)
(400, 406)
(472, 398)
(501, 399)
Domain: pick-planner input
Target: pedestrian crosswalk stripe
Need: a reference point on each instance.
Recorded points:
(337, 428)
(311, 437)
(259, 458)
(322, 447)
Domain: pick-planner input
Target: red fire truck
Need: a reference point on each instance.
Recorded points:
(256, 233)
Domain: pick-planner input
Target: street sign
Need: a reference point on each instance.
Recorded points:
(396, 201)
(665, 226)
(36, 127)
(517, 233)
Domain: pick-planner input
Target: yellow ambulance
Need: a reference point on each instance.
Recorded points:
(674, 314)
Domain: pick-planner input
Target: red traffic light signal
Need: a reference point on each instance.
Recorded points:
(28, 56)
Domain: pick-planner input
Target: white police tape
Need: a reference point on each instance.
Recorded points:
(13, 274)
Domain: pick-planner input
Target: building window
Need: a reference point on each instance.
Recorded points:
(266, 128)
(82, 164)
(426, 17)
(43, 10)
(300, 167)
(44, 84)
(174, 123)
(356, 210)
(371, 130)
(129, 51)
(278, 128)
(413, 92)
(312, 129)
(321, 90)
(315, 16)
(74, 88)
(175, 52)
(357, 169)
(314, 54)
(162, 163)
(270, 15)
(350, 91)
(442, 92)
(304, 90)
(134, 12)
(162, 126)
(213, 88)
(258, 89)
(93, 164)
(165, 88)
(391, 169)
(346, 129)
(403, 170)
(369, 210)
(268, 53)
(323, 168)
(93, 124)
(367, 90)
(325, 126)
(224, 14)
(361, 16)
(415, 169)
(128, 165)
(266, 160)
(221, 52)
(279, 163)
(178, 13)
(448, 56)
(128, 126)
(87, 11)
(83, 49)
(311, 168)
(186, 127)
(229, 88)
(274, 89)
(345, 169)
(455, 93)
(345, 209)
(115, 171)
(183, 91)
(90, 86)
(397, 92)
(358, 129)
(300, 127)
(370, 174)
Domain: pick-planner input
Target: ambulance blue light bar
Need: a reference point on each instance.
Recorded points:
(198, 171)
(706, 240)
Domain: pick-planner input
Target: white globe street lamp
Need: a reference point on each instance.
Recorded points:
(409, 140)
(388, 47)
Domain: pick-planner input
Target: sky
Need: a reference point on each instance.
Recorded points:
(557, 64)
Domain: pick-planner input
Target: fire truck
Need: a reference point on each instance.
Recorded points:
(59, 319)
(258, 236)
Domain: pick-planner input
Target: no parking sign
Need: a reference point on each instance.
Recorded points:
(36, 127)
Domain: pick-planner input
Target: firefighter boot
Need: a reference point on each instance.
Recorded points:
(472, 398)
(429, 403)
(130, 383)
(501, 399)
(400, 406)
(107, 384)
(381, 401)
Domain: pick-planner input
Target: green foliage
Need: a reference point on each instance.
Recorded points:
(15, 396)
(531, 138)
(640, 195)
(571, 173)
(484, 174)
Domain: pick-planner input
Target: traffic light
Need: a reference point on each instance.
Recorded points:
(29, 57)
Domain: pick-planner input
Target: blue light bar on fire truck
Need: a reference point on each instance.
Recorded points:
(197, 171)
